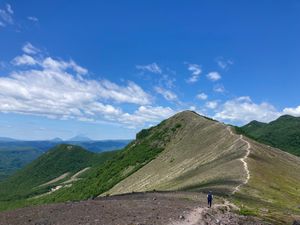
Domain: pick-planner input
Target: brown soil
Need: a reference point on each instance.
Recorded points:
(130, 209)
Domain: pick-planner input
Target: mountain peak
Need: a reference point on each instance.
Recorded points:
(7, 139)
(56, 140)
(190, 115)
(80, 138)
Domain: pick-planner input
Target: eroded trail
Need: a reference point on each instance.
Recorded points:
(243, 160)
(217, 214)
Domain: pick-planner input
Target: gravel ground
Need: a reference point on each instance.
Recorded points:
(131, 209)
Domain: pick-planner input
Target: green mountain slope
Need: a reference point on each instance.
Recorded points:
(12, 160)
(283, 133)
(148, 144)
(61, 160)
(191, 153)
(16, 154)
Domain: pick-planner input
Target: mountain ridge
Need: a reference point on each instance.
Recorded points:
(189, 152)
(283, 133)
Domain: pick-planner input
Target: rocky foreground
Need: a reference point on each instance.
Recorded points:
(131, 209)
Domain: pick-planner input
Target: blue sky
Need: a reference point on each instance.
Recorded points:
(107, 69)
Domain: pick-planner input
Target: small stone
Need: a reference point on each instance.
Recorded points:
(181, 217)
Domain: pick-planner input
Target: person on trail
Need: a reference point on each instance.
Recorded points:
(209, 198)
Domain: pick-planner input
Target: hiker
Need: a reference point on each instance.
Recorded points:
(209, 198)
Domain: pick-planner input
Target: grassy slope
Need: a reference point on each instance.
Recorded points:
(189, 152)
(283, 133)
(274, 183)
(61, 159)
(149, 143)
(202, 155)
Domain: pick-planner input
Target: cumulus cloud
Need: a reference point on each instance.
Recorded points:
(28, 48)
(54, 88)
(243, 110)
(211, 104)
(24, 60)
(152, 68)
(147, 114)
(202, 96)
(213, 76)
(167, 94)
(292, 111)
(6, 16)
(9, 9)
(196, 71)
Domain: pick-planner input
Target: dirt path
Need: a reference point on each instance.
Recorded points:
(193, 218)
(216, 215)
(171, 208)
(63, 176)
(243, 160)
(75, 177)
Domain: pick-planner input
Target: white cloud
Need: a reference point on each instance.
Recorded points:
(214, 76)
(243, 110)
(167, 94)
(152, 68)
(28, 48)
(224, 63)
(24, 60)
(211, 104)
(9, 9)
(6, 16)
(219, 88)
(292, 111)
(147, 114)
(196, 71)
(33, 18)
(52, 88)
(202, 96)
(59, 65)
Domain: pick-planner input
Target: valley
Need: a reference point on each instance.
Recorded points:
(15, 154)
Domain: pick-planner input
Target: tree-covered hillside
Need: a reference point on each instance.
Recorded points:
(283, 133)
(62, 159)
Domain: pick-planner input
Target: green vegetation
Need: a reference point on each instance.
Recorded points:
(248, 212)
(14, 154)
(186, 152)
(145, 148)
(107, 169)
(10, 161)
(283, 133)
(62, 159)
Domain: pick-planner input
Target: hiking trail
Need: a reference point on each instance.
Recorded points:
(204, 215)
(243, 160)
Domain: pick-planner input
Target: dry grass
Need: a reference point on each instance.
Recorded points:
(204, 155)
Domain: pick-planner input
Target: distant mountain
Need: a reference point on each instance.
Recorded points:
(283, 133)
(6, 139)
(56, 140)
(79, 138)
(16, 154)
